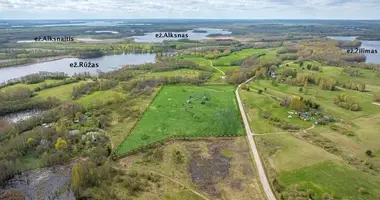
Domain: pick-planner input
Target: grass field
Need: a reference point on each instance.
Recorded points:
(288, 146)
(217, 168)
(30, 86)
(324, 97)
(226, 68)
(296, 161)
(179, 72)
(339, 180)
(172, 114)
(99, 97)
(62, 92)
(366, 138)
(235, 56)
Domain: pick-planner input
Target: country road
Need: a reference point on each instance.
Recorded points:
(255, 153)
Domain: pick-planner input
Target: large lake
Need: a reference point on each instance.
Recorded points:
(106, 63)
(151, 37)
(366, 44)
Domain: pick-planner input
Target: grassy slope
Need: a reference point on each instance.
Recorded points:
(99, 96)
(298, 162)
(62, 92)
(29, 86)
(323, 97)
(167, 116)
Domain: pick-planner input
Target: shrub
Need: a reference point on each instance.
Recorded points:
(368, 153)
(289, 72)
(346, 102)
(178, 157)
(376, 97)
(326, 196)
(362, 191)
(259, 91)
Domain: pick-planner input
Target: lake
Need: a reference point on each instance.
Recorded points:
(106, 63)
(151, 38)
(21, 116)
(366, 44)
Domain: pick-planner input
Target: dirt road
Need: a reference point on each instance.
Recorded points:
(255, 153)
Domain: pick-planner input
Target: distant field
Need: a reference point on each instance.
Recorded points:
(179, 72)
(235, 56)
(178, 111)
(226, 68)
(199, 60)
(324, 97)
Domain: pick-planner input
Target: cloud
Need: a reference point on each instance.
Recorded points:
(186, 8)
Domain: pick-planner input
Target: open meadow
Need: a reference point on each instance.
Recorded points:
(189, 111)
(318, 161)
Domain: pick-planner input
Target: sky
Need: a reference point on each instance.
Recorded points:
(193, 9)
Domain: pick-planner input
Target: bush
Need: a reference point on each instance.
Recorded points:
(178, 157)
(289, 72)
(259, 91)
(368, 153)
(346, 102)
(362, 191)
(326, 196)
(376, 97)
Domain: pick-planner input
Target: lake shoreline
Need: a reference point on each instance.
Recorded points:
(107, 62)
(39, 60)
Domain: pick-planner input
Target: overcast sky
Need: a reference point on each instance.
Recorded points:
(206, 9)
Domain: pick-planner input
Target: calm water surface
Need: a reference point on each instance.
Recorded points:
(151, 37)
(366, 44)
(106, 63)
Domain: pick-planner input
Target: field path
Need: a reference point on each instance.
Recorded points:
(167, 177)
(260, 168)
(224, 74)
(375, 103)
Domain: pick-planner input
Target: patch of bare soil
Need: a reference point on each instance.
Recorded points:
(376, 103)
(205, 172)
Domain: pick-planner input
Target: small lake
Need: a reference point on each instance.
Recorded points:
(20, 116)
(366, 44)
(44, 183)
(151, 37)
(106, 63)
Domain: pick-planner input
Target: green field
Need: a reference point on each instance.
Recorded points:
(172, 114)
(339, 180)
(62, 92)
(179, 72)
(30, 86)
(324, 97)
(235, 56)
(99, 97)
(305, 163)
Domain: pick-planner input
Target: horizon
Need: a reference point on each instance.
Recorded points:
(223, 19)
(212, 9)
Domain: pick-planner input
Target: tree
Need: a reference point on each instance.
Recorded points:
(61, 144)
(260, 91)
(368, 153)
(300, 90)
(62, 126)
